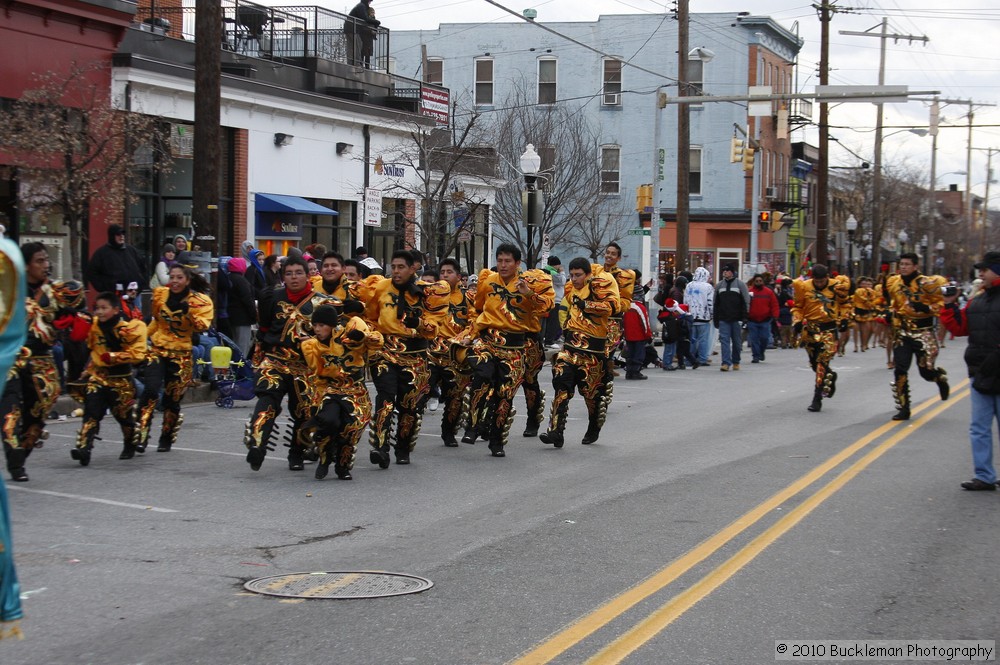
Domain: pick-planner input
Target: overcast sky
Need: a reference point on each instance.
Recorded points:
(962, 60)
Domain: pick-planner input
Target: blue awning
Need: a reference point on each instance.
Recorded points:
(284, 203)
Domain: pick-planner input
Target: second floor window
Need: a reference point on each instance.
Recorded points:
(694, 179)
(610, 169)
(433, 73)
(696, 77)
(547, 81)
(484, 82)
(612, 78)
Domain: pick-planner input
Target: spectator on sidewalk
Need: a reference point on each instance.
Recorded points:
(638, 335)
(553, 331)
(762, 313)
(699, 296)
(115, 264)
(242, 309)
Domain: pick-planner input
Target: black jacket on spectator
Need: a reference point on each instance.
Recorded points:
(242, 309)
(113, 266)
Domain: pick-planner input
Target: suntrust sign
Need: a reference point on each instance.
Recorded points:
(278, 225)
(388, 170)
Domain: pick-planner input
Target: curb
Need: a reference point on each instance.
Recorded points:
(196, 394)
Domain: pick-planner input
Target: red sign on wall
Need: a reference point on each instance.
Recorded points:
(435, 103)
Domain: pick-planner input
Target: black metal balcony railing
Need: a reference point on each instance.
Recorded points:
(257, 31)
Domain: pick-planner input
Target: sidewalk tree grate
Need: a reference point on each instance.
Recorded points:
(339, 584)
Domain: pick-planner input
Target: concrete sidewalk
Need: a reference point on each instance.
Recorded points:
(201, 392)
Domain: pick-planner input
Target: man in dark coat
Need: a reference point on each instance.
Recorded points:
(115, 264)
(358, 29)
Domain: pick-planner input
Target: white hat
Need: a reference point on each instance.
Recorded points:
(133, 285)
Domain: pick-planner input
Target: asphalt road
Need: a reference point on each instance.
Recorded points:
(715, 516)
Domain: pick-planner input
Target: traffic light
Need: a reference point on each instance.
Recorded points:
(764, 220)
(643, 198)
(748, 158)
(776, 220)
(736, 152)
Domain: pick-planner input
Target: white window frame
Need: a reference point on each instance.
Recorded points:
(606, 181)
(696, 86)
(610, 85)
(553, 83)
(484, 82)
(696, 168)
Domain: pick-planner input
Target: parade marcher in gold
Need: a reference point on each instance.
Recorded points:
(337, 357)
(540, 282)
(33, 381)
(178, 312)
(448, 366)
(116, 345)
(396, 307)
(626, 286)
(580, 363)
(331, 280)
(915, 301)
(866, 301)
(284, 314)
(506, 307)
(822, 309)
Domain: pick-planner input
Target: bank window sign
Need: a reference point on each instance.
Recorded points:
(278, 225)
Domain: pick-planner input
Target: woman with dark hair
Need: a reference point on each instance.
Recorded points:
(178, 312)
(272, 271)
(33, 383)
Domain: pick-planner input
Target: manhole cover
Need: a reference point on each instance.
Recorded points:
(339, 584)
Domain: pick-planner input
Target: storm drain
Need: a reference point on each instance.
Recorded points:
(339, 584)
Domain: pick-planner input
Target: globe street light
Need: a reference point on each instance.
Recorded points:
(923, 253)
(851, 225)
(530, 163)
(903, 237)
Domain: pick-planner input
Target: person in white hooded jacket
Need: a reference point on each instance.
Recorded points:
(699, 296)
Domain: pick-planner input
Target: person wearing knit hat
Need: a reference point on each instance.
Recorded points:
(161, 273)
(342, 408)
(115, 264)
(240, 305)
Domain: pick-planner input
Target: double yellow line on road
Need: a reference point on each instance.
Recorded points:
(676, 606)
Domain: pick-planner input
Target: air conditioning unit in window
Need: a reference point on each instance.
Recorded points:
(770, 192)
(612, 99)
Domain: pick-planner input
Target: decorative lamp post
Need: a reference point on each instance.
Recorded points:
(939, 261)
(530, 163)
(903, 237)
(923, 253)
(852, 225)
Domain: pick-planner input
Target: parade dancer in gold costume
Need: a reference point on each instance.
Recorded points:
(579, 365)
(284, 314)
(540, 282)
(179, 311)
(116, 344)
(337, 357)
(915, 300)
(626, 286)
(822, 309)
(397, 307)
(507, 306)
(866, 301)
(33, 381)
(449, 369)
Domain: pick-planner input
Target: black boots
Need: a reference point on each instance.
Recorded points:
(552, 438)
(15, 463)
(635, 376)
(817, 402)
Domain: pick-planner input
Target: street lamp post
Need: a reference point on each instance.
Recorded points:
(939, 261)
(923, 253)
(852, 225)
(903, 237)
(530, 163)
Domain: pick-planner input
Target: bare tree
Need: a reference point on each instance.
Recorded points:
(64, 136)
(575, 208)
(445, 162)
(601, 226)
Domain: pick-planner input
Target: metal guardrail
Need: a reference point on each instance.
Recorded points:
(281, 32)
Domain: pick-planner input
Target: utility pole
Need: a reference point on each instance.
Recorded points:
(683, 140)
(822, 175)
(932, 129)
(207, 146)
(986, 197)
(876, 225)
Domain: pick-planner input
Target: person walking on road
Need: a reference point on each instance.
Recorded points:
(822, 308)
(980, 321)
(732, 301)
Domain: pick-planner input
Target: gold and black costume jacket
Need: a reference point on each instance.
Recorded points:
(866, 303)
(124, 340)
(343, 289)
(401, 313)
(589, 311)
(501, 306)
(47, 302)
(286, 321)
(822, 309)
(340, 361)
(171, 328)
(625, 279)
(916, 303)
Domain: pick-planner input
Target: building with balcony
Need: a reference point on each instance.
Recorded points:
(305, 116)
(482, 64)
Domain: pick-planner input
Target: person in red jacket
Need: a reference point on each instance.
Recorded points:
(763, 310)
(638, 334)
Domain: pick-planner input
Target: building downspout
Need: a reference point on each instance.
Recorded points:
(361, 228)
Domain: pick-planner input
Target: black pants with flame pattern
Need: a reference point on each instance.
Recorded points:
(171, 370)
(27, 400)
(402, 382)
(497, 373)
(278, 377)
(574, 370)
(116, 394)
